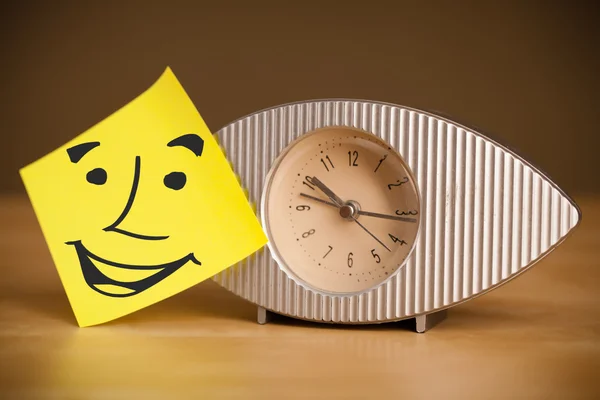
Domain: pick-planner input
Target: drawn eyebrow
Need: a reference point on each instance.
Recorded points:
(80, 150)
(192, 142)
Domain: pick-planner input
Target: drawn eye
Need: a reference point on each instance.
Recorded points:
(175, 180)
(97, 176)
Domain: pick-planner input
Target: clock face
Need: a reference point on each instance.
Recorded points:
(341, 209)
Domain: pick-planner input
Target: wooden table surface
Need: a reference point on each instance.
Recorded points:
(538, 337)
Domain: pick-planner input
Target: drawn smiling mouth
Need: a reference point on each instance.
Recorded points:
(129, 279)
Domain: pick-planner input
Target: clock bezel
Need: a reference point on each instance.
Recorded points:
(264, 199)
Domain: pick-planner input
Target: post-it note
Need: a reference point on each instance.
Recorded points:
(141, 206)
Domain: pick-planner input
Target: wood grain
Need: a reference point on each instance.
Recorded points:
(538, 337)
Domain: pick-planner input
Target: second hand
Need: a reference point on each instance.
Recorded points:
(373, 236)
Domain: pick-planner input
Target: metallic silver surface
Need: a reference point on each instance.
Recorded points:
(262, 316)
(348, 211)
(487, 214)
(427, 321)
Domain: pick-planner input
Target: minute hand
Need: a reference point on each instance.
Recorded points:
(366, 213)
(386, 216)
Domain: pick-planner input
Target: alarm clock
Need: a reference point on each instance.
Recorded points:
(376, 212)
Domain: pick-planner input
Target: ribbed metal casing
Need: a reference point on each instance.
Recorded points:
(487, 214)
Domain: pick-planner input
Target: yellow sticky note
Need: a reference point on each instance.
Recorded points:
(141, 206)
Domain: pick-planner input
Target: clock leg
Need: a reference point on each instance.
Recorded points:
(263, 315)
(428, 321)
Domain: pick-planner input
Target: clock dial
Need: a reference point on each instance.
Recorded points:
(341, 209)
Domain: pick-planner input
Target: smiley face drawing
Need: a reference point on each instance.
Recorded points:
(94, 277)
(141, 206)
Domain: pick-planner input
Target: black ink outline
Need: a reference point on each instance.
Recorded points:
(93, 276)
(93, 178)
(173, 178)
(191, 141)
(78, 151)
(113, 227)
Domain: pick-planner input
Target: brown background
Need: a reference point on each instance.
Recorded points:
(525, 72)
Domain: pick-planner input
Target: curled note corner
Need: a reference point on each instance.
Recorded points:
(141, 206)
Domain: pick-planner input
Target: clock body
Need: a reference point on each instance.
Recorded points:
(431, 213)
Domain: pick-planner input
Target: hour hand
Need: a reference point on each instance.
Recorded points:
(339, 202)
